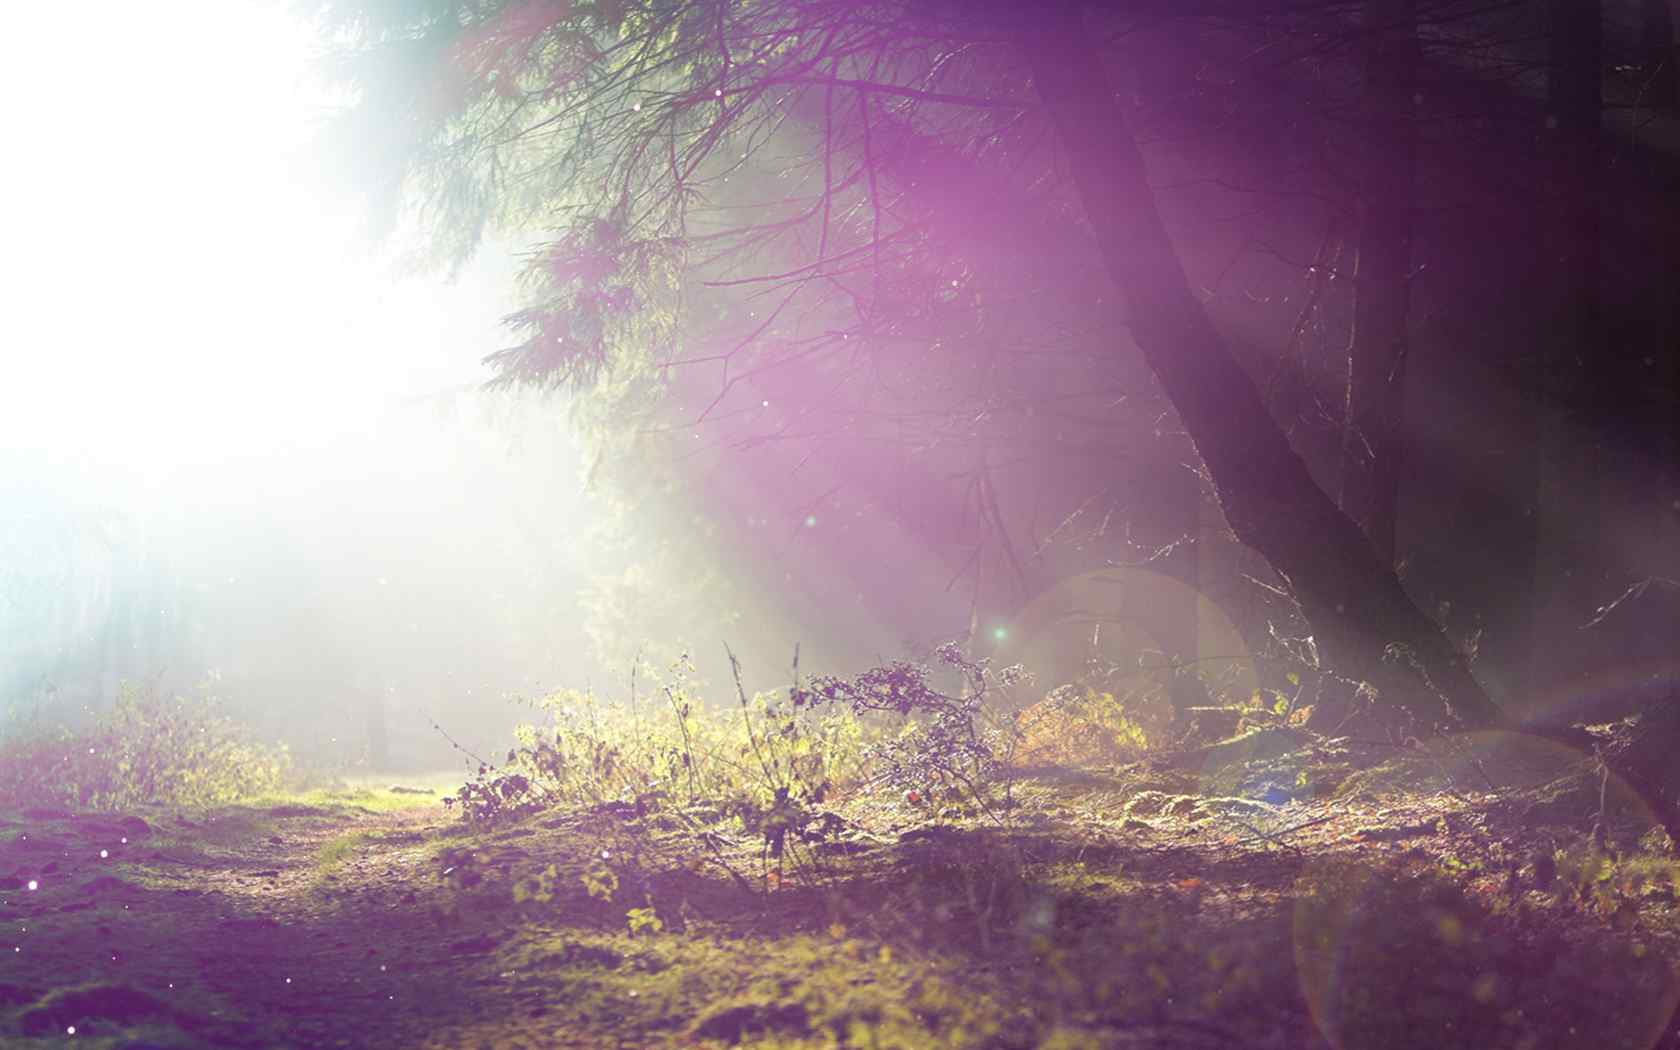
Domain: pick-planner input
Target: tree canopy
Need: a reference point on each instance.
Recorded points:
(914, 230)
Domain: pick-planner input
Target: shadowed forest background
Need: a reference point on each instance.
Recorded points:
(792, 454)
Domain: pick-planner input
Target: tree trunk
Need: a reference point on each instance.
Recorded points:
(1374, 410)
(1661, 51)
(1180, 624)
(1363, 622)
(1565, 473)
(378, 737)
(1374, 413)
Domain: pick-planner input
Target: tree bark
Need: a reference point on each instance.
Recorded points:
(1180, 613)
(1661, 52)
(1372, 450)
(1566, 504)
(1373, 419)
(1363, 622)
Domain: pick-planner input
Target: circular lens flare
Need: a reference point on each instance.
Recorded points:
(1419, 945)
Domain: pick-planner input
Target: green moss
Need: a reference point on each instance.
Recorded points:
(93, 1009)
(330, 857)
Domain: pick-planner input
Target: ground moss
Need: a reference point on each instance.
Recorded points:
(332, 856)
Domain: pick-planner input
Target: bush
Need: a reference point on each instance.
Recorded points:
(662, 781)
(147, 748)
(947, 744)
(1079, 725)
(591, 752)
(767, 760)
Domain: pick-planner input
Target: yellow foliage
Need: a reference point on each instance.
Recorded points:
(1081, 726)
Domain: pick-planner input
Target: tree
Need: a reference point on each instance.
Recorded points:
(1658, 23)
(1374, 423)
(1566, 482)
(1346, 591)
(622, 123)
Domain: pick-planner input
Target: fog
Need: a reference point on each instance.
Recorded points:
(245, 453)
(247, 449)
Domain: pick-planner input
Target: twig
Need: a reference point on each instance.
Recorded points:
(746, 716)
(1275, 836)
(1632, 592)
(456, 744)
(635, 709)
(688, 741)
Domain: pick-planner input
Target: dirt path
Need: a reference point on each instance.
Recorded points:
(1106, 918)
(290, 925)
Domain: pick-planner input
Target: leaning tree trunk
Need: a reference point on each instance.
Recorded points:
(1363, 622)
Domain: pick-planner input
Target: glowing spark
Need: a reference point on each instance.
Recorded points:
(811, 521)
(1000, 633)
(33, 885)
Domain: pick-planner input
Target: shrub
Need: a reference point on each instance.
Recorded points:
(1079, 725)
(666, 776)
(947, 744)
(596, 752)
(147, 748)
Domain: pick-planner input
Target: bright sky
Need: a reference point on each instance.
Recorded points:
(180, 291)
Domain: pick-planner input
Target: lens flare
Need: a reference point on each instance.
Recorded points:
(1401, 948)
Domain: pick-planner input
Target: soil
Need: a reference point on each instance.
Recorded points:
(1147, 906)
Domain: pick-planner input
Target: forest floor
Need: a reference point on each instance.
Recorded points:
(1146, 906)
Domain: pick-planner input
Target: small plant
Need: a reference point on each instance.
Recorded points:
(946, 748)
(640, 919)
(1082, 724)
(330, 857)
(539, 888)
(600, 882)
(493, 796)
(1608, 882)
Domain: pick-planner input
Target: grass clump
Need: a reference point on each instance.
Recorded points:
(365, 798)
(146, 748)
(331, 857)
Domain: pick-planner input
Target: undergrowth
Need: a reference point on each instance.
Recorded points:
(691, 874)
(148, 747)
(662, 779)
